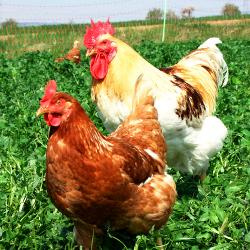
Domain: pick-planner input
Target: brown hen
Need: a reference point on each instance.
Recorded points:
(95, 179)
(73, 55)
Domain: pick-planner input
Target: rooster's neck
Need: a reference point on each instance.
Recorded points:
(121, 77)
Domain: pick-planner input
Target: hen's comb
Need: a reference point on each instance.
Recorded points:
(49, 91)
(95, 30)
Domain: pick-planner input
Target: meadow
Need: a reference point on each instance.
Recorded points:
(211, 215)
(57, 39)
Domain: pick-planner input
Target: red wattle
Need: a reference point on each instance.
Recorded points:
(52, 119)
(99, 66)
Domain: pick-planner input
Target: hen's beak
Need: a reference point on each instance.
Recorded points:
(90, 52)
(41, 111)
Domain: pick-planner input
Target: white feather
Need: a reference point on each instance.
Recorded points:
(114, 113)
(211, 42)
(191, 153)
(219, 64)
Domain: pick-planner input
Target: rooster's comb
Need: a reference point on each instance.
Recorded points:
(49, 91)
(95, 30)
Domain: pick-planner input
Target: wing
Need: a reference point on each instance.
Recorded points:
(135, 164)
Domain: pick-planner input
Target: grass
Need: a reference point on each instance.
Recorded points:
(209, 215)
(58, 39)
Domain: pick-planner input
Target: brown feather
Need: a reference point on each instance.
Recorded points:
(190, 102)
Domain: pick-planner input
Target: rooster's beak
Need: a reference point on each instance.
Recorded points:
(41, 111)
(90, 52)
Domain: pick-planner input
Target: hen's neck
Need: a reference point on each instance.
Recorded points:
(80, 132)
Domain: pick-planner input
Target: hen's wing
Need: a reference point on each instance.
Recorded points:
(126, 205)
(150, 205)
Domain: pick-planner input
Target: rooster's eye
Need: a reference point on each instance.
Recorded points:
(58, 102)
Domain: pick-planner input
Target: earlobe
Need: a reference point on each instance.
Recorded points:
(67, 113)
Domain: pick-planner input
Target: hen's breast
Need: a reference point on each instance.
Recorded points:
(83, 188)
(61, 179)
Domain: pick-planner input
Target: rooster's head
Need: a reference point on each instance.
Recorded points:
(100, 47)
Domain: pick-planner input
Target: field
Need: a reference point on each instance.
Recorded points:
(59, 38)
(209, 215)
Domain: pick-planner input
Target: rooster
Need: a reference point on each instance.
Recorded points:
(73, 55)
(185, 94)
(95, 179)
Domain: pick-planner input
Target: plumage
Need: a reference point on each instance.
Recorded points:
(118, 179)
(185, 96)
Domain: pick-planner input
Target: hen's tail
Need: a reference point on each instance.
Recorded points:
(142, 94)
(76, 44)
(205, 69)
(150, 205)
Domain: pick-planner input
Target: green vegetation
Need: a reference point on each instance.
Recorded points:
(209, 215)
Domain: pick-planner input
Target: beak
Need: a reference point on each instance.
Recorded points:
(90, 52)
(41, 111)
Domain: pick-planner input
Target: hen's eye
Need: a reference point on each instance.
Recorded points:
(58, 102)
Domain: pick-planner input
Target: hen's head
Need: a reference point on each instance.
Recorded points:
(55, 106)
(100, 47)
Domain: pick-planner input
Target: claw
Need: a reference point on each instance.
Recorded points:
(159, 243)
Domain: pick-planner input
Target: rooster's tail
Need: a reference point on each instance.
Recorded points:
(219, 64)
(204, 69)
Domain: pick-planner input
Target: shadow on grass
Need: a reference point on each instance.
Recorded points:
(187, 185)
(118, 240)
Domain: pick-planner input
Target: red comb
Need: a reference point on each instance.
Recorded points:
(95, 30)
(49, 91)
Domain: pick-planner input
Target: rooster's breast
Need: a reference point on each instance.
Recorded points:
(111, 109)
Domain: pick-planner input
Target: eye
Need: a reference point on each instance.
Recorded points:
(58, 102)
